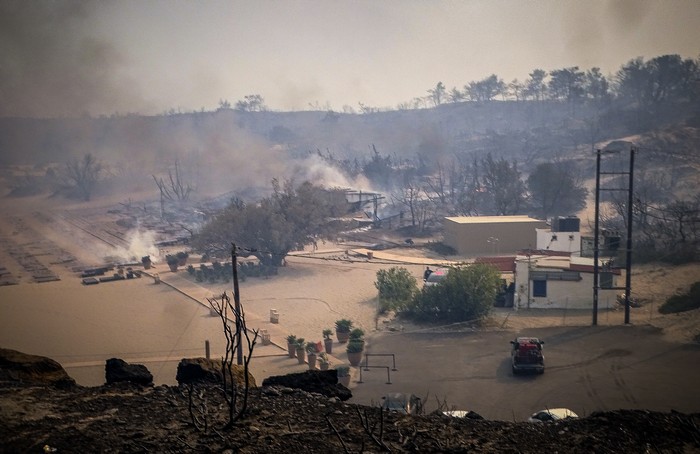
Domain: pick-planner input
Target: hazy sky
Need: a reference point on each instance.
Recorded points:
(65, 58)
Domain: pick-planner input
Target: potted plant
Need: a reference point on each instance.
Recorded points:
(311, 354)
(291, 345)
(356, 334)
(343, 375)
(172, 262)
(300, 350)
(323, 361)
(342, 330)
(327, 341)
(146, 262)
(354, 350)
(182, 258)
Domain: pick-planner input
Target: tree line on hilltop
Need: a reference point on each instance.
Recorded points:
(648, 85)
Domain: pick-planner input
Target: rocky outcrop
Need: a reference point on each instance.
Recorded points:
(324, 382)
(118, 370)
(198, 370)
(30, 369)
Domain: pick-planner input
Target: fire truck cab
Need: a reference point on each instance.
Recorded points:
(526, 355)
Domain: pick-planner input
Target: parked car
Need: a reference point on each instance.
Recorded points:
(526, 355)
(552, 414)
(408, 404)
(462, 414)
(436, 276)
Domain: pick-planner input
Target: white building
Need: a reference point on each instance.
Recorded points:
(569, 242)
(563, 236)
(560, 282)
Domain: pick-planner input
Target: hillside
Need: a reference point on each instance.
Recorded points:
(227, 150)
(127, 418)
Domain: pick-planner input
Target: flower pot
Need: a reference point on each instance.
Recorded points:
(312, 361)
(342, 336)
(344, 380)
(173, 267)
(328, 344)
(292, 350)
(323, 366)
(301, 355)
(354, 358)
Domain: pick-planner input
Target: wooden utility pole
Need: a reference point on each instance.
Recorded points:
(237, 302)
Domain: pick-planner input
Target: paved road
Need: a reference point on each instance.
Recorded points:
(588, 369)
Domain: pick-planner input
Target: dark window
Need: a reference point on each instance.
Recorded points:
(539, 288)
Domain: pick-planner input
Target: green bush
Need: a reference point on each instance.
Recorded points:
(397, 288)
(310, 347)
(466, 294)
(355, 346)
(683, 302)
(356, 334)
(343, 325)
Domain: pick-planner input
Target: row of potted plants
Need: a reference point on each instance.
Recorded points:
(344, 332)
(311, 351)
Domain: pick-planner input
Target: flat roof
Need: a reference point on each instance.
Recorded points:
(491, 219)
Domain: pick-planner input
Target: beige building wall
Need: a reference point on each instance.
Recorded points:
(491, 235)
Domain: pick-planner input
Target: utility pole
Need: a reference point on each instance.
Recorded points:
(596, 241)
(628, 261)
(614, 147)
(237, 302)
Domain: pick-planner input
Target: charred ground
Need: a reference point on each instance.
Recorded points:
(129, 418)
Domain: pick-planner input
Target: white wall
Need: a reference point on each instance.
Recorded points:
(565, 241)
(560, 294)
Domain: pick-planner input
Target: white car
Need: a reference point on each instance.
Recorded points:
(436, 277)
(462, 414)
(552, 414)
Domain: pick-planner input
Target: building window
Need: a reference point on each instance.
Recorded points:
(539, 288)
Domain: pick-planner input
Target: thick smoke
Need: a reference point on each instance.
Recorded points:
(140, 244)
(51, 66)
(314, 169)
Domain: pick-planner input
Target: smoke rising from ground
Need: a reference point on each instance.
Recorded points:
(141, 244)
